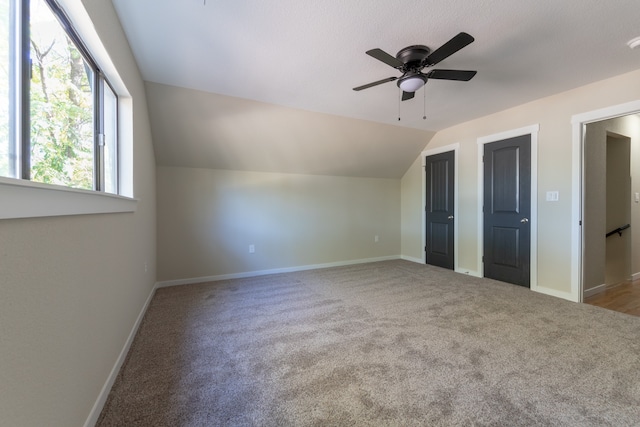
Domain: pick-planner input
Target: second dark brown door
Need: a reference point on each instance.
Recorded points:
(439, 209)
(507, 210)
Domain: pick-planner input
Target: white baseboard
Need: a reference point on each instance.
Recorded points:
(106, 388)
(635, 276)
(457, 270)
(412, 259)
(554, 293)
(468, 272)
(594, 290)
(204, 279)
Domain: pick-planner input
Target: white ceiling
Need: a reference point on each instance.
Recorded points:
(310, 54)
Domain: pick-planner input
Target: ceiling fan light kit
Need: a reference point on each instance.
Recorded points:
(411, 82)
(634, 43)
(413, 59)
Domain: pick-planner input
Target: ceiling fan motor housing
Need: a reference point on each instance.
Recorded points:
(413, 57)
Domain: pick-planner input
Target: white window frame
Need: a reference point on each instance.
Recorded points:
(26, 199)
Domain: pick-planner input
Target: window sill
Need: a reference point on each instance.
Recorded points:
(27, 199)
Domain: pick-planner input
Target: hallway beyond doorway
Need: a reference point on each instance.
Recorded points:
(623, 297)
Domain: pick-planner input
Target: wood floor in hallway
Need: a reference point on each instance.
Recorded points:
(624, 298)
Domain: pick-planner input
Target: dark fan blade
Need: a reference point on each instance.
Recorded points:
(461, 75)
(379, 82)
(408, 95)
(383, 56)
(449, 48)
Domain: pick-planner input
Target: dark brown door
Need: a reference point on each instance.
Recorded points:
(440, 193)
(507, 210)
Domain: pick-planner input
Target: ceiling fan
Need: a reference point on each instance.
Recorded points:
(413, 59)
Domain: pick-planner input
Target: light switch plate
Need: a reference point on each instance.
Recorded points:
(553, 196)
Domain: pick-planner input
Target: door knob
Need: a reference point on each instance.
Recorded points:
(524, 220)
(450, 217)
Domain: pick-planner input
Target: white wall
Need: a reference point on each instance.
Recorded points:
(71, 287)
(635, 188)
(553, 114)
(411, 210)
(208, 218)
(618, 210)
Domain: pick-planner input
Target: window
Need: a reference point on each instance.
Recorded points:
(58, 112)
(7, 157)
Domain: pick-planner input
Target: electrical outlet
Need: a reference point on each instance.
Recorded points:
(146, 267)
(252, 249)
(376, 239)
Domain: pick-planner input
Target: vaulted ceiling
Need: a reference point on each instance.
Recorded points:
(302, 55)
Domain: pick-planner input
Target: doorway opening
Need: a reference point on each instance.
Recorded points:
(606, 178)
(610, 211)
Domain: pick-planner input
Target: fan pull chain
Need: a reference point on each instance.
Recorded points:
(399, 98)
(424, 105)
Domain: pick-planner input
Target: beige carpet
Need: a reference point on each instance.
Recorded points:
(388, 343)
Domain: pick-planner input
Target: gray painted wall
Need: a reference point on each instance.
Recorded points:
(205, 130)
(618, 210)
(208, 218)
(73, 286)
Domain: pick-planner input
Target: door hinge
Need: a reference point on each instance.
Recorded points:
(482, 258)
(425, 249)
(580, 222)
